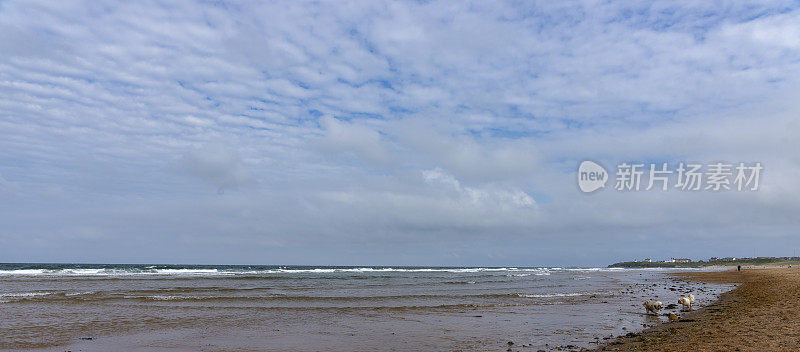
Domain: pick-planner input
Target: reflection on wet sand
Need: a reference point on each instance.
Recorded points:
(344, 310)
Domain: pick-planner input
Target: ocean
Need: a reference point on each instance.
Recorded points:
(327, 308)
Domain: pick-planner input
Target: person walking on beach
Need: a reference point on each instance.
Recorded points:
(738, 268)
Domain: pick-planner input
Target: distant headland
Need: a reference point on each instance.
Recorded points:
(713, 261)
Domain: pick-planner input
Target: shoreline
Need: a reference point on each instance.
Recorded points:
(658, 335)
(760, 314)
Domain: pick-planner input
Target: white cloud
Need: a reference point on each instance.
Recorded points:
(217, 165)
(476, 196)
(342, 137)
(8, 188)
(338, 108)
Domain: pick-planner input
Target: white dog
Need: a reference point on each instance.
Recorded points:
(686, 301)
(652, 307)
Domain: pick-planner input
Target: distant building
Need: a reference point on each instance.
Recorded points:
(647, 260)
(729, 259)
(712, 259)
(681, 260)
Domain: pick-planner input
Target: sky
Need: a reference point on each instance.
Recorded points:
(391, 133)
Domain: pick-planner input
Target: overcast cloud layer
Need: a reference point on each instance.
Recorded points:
(391, 133)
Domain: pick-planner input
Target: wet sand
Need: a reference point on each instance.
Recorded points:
(342, 310)
(762, 314)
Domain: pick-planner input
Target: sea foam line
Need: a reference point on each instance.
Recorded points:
(154, 271)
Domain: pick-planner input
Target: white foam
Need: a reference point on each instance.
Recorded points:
(153, 270)
(24, 294)
(22, 272)
(187, 271)
(79, 293)
(163, 297)
(554, 295)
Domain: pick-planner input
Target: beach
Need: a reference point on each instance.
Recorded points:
(761, 314)
(149, 308)
(277, 308)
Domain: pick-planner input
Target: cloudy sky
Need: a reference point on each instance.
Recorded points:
(391, 133)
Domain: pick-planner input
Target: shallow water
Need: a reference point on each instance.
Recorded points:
(272, 308)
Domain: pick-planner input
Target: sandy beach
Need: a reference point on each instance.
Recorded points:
(213, 312)
(760, 315)
(344, 309)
